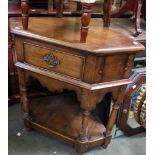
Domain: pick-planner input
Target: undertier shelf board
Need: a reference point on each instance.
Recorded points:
(62, 114)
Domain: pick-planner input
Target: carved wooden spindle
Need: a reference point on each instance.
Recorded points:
(81, 144)
(85, 19)
(107, 6)
(118, 101)
(84, 129)
(59, 7)
(83, 138)
(24, 99)
(25, 9)
(113, 115)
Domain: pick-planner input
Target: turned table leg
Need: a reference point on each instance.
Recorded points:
(85, 19)
(25, 10)
(81, 144)
(118, 101)
(107, 6)
(113, 115)
(24, 99)
(84, 129)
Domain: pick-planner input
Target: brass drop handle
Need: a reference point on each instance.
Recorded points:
(51, 60)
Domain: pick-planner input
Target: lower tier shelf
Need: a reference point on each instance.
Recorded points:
(60, 116)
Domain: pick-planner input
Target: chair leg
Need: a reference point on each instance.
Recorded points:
(59, 7)
(107, 6)
(66, 5)
(137, 16)
(25, 9)
(50, 6)
(85, 19)
(79, 6)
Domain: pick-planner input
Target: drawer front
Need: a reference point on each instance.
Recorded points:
(54, 60)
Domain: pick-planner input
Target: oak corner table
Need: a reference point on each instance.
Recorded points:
(50, 52)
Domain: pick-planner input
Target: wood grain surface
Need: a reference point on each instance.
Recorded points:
(66, 31)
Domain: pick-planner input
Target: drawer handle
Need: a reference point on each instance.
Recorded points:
(51, 60)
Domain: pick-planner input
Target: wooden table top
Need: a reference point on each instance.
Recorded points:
(66, 32)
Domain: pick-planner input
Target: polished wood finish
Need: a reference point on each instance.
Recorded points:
(25, 10)
(122, 119)
(14, 10)
(85, 20)
(67, 34)
(63, 66)
(105, 67)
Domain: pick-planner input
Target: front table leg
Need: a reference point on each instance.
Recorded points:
(81, 144)
(113, 115)
(88, 101)
(25, 9)
(85, 19)
(24, 99)
(84, 129)
(118, 101)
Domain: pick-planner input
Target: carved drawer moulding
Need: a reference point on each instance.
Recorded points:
(62, 59)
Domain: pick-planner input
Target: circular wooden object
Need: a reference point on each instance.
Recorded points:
(143, 115)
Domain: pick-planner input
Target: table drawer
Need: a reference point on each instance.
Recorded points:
(55, 60)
